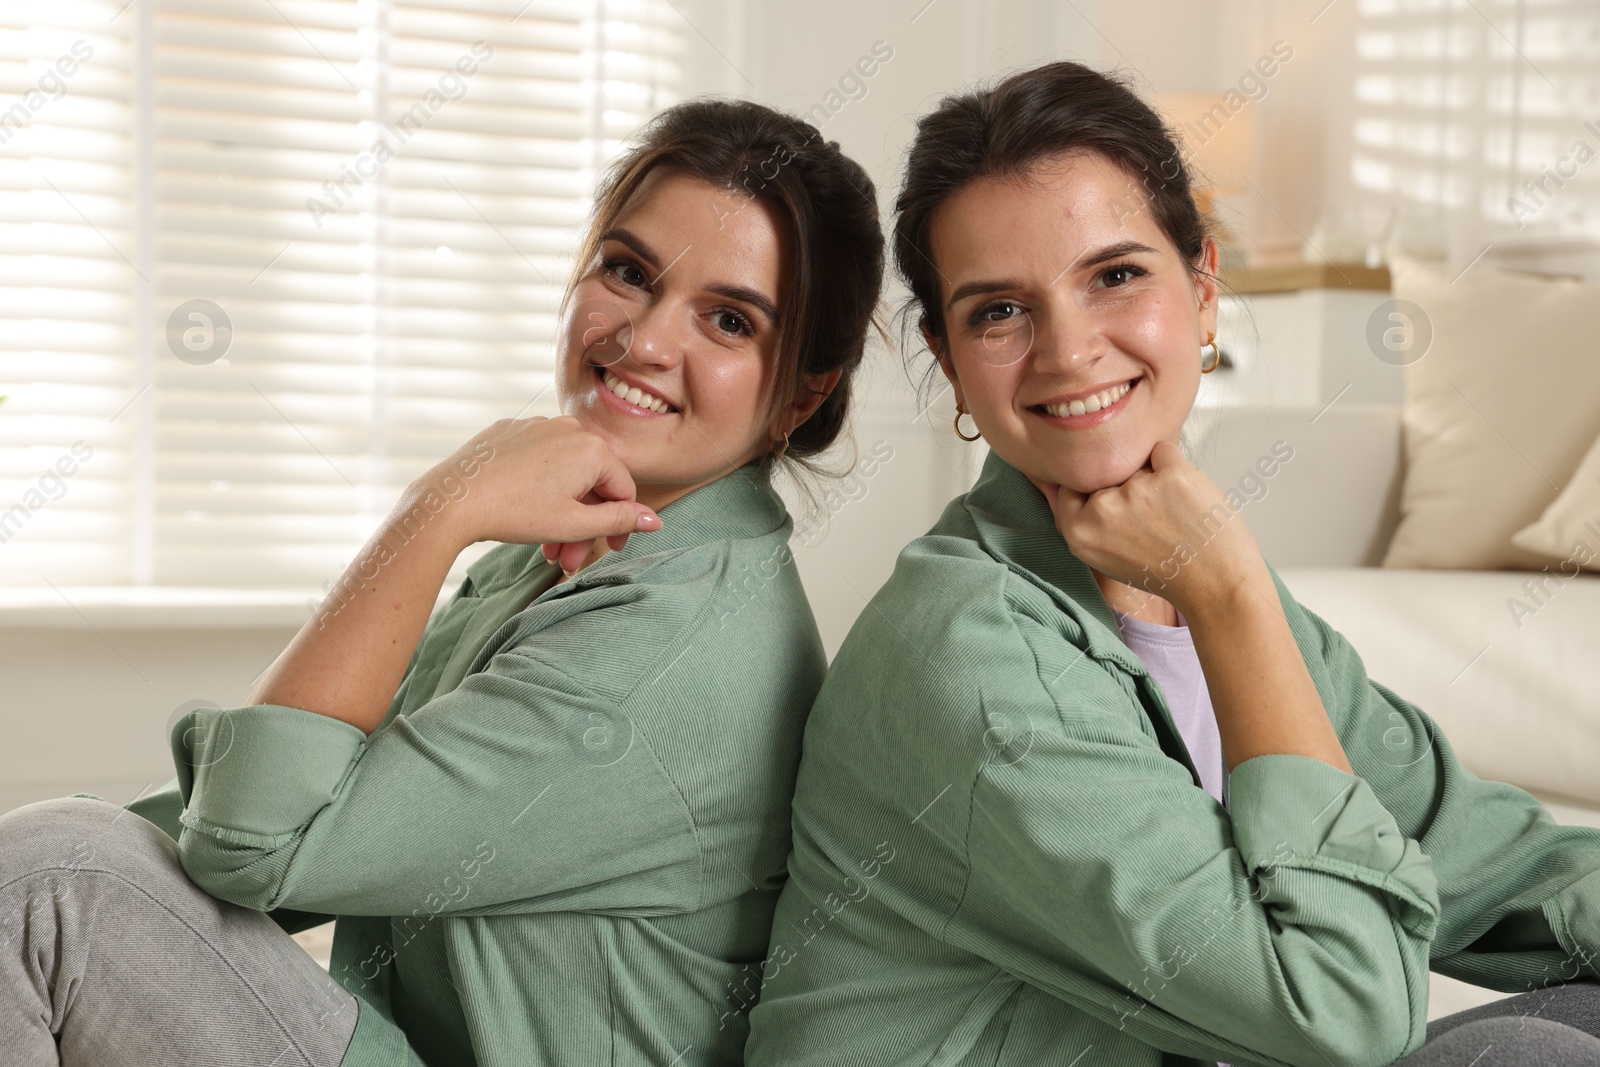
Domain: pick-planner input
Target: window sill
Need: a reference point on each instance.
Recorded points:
(159, 607)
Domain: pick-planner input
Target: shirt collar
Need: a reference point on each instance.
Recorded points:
(1015, 524)
(741, 504)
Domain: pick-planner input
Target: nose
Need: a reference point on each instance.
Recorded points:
(1066, 339)
(658, 335)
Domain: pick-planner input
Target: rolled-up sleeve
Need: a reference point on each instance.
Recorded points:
(1282, 823)
(1519, 893)
(255, 776)
(520, 790)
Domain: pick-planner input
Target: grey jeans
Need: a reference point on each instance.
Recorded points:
(1554, 1027)
(113, 956)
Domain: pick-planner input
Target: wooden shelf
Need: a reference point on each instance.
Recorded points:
(1291, 277)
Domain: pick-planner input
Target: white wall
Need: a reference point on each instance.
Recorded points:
(789, 55)
(87, 704)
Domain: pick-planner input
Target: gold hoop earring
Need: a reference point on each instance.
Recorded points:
(960, 411)
(1216, 353)
(785, 447)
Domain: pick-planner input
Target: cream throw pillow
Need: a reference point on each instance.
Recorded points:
(1498, 412)
(1570, 527)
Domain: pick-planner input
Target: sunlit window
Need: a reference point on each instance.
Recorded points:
(262, 263)
(1486, 112)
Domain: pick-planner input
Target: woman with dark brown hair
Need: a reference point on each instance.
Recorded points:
(1085, 784)
(552, 818)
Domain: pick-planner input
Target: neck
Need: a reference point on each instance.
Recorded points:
(1135, 602)
(654, 497)
(597, 548)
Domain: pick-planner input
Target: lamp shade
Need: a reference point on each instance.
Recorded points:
(1217, 131)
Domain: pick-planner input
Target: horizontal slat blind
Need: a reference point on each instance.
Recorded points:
(67, 252)
(382, 198)
(1462, 104)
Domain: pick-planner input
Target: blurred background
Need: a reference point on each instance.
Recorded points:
(262, 262)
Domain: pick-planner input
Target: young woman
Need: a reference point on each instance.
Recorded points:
(1085, 784)
(551, 819)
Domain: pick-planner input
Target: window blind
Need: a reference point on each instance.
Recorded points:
(68, 287)
(359, 219)
(1485, 113)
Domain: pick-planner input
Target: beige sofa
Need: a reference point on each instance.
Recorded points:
(1519, 703)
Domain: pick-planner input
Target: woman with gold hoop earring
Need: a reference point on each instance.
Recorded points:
(1085, 782)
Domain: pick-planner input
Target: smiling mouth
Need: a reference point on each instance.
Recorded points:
(1108, 398)
(631, 394)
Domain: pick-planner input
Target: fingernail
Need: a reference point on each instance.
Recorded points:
(647, 520)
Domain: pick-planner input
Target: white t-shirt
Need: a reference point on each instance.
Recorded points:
(1167, 652)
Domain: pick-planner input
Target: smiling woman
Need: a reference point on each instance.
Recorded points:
(552, 819)
(1131, 829)
(1064, 263)
(679, 317)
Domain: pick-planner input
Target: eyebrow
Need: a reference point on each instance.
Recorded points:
(1109, 252)
(1116, 251)
(633, 241)
(966, 289)
(754, 297)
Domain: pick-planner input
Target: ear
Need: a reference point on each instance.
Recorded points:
(946, 364)
(814, 389)
(1206, 289)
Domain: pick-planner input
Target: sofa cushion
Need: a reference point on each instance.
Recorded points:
(1570, 526)
(1503, 661)
(1319, 485)
(1498, 411)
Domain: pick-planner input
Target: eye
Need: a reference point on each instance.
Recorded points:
(998, 311)
(627, 272)
(1120, 275)
(730, 321)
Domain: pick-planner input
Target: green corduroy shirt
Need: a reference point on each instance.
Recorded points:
(1003, 855)
(565, 841)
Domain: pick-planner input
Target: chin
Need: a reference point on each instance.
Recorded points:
(1088, 474)
(624, 445)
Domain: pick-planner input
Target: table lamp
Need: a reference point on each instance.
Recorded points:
(1216, 134)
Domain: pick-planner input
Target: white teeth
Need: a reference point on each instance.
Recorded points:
(633, 394)
(1103, 399)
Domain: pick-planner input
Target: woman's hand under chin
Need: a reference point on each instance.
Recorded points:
(539, 481)
(1167, 530)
